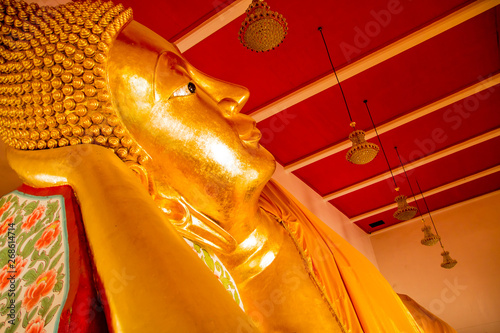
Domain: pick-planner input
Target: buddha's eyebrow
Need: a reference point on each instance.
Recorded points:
(182, 68)
(170, 61)
(177, 63)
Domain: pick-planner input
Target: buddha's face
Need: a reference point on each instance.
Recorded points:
(190, 124)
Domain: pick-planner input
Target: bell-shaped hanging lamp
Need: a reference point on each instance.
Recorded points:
(262, 30)
(448, 262)
(429, 238)
(361, 151)
(404, 212)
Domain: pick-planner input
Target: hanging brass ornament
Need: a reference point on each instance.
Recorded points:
(362, 151)
(404, 212)
(448, 262)
(429, 238)
(262, 30)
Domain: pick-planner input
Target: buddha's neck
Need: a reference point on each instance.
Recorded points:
(242, 235)
(259, 242)
(242, 220)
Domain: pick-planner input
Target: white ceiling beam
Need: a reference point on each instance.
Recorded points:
(392, 50)
(431, 192)
(418, 163)
(444, 102)
(214, 23)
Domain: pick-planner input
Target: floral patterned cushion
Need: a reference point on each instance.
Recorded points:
(34, 260)
(46, 280)
(44, 288)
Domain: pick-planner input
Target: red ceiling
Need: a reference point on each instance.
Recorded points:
(424, 74)
(414, 140)
(302, 58)
(452, 196)
(173, 19)
(428, 72)
(434, 174)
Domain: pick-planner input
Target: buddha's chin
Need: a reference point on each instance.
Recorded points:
(270, 170)
(267, 163)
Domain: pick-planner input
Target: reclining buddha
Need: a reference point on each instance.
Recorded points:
(147, 204)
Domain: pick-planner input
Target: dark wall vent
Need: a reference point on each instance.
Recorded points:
(376, 224)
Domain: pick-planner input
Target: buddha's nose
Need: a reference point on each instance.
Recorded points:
(230, 98)
(229, 106)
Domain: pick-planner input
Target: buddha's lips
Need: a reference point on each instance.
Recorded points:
(252, 136)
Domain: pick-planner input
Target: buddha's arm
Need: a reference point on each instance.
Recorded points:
(153, 281)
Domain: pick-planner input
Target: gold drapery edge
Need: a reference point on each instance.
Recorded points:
(308, 266)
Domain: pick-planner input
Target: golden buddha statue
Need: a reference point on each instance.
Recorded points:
(157, 151)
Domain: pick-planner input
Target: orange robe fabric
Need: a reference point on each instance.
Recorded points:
(424, 318)
(359, 295)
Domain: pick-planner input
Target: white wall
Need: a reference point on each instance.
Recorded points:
(467, 296)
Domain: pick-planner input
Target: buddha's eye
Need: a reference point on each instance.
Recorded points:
(185, 90)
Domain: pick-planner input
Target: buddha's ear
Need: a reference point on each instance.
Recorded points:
(194, 225)
(190, 223)
(175, 210)
(145, 177)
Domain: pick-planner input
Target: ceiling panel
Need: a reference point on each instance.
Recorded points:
(431, 175)
(438, 201)
(173, 19)
(426, 135)
(306, 127)
(302, 58)
(425, 73)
